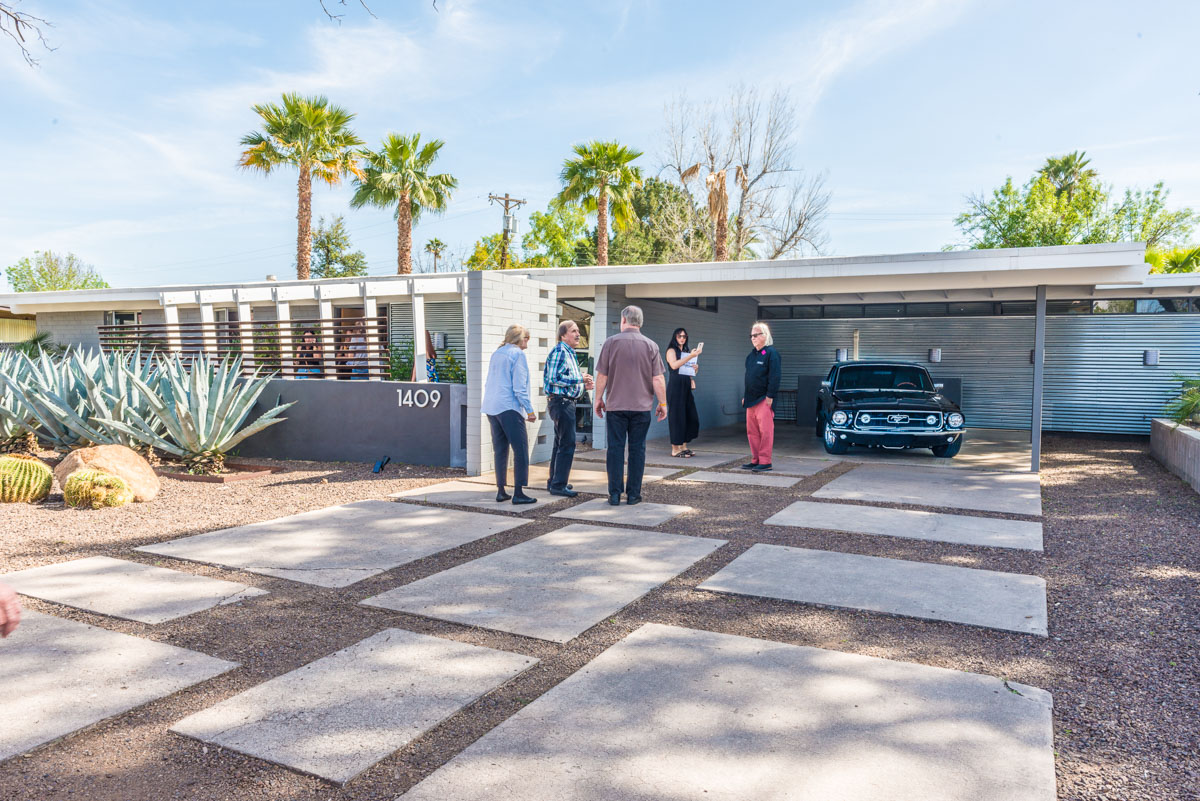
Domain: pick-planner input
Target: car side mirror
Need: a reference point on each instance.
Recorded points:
(826, 385)
(938, 387)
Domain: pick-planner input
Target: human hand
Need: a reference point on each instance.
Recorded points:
(699, 349)
(599, 409)
(589, 383)
(531, 417)
(10, 610)
(693, 383)
(770, 402)
(661, 413)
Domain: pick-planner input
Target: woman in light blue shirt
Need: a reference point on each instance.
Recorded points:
(505, 399)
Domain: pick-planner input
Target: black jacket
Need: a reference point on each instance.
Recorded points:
(763, 369)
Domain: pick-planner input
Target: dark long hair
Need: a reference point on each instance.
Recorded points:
(675, 345)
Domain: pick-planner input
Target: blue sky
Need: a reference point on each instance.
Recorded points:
(121, 146)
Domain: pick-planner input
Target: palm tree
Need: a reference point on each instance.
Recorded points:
(398, 174)
(435, 247)
(601, 179)
(1176, 260)
(1067, 172)
(313, 136)
(718, 203)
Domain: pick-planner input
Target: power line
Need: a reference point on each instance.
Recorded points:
(510, 223)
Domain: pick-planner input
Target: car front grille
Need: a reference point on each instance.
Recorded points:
(901, 421)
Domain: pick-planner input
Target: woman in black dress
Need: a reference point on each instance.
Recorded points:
(682, 418)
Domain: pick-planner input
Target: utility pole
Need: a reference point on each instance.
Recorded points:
(510, 223)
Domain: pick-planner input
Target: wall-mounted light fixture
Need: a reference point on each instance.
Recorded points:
(1150, 358)
(935, 355)
(842, 354)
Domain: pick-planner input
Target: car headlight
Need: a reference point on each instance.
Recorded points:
(955, 420)
(931, 420)
(864, 418)
(840, 418)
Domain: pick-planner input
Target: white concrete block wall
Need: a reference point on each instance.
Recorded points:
(72, 328)
(496, 300)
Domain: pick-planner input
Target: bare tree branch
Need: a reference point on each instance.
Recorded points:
(17, 25)
(338, 17)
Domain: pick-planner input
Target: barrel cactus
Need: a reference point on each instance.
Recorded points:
(94, 490)
(24, 479)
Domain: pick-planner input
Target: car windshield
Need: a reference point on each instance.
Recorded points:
(884, 376)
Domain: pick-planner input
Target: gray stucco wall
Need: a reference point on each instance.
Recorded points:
(72, 328)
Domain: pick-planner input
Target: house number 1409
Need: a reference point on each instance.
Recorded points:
(419, 398)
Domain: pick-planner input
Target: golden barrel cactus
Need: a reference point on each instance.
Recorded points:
(94, 490)
(24, 479)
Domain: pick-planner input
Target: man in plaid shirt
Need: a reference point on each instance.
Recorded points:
(563, 383)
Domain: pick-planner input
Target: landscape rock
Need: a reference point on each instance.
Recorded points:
(116, 460)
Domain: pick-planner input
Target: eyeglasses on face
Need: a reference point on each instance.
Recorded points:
(754, 334)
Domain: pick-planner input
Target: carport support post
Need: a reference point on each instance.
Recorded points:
(418, 323)
(371, 335)
(1039, 373)
(171, 318)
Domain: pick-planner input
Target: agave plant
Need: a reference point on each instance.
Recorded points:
(16, 421)
(198, 408)
(54, 393)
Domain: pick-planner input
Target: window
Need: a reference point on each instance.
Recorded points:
(774, 312)
(806, 312)
(885, 310)
(122, 318)
(928, 309)
(225, 315)
(842, 312)
(704, 304)
(984, 308)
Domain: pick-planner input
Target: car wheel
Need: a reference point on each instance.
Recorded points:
(832, 443)
(949, 450)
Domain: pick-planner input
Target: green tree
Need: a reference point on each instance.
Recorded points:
(601, 179)
(398, 174)
(1067, 172)
(435, 247)
(331, 254)
(47, 271)
(554, 236)
(486, 254)
(667, 227)
(314, 137)
(1143, 216)
(1176, 260)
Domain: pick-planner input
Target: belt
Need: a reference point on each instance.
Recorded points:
(563, 396)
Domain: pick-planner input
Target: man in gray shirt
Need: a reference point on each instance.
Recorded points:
(630, 370)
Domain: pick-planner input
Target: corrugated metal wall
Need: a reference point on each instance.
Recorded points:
(1095, 380)
(441, 317)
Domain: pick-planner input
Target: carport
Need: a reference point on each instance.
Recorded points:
(977, 319)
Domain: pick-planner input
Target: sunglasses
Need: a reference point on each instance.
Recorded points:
(757, 334)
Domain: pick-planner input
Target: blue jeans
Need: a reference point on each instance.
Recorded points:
(622, 426)
(562, 412)
(508, 428)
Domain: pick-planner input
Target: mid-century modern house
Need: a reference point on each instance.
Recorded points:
(1074, 338)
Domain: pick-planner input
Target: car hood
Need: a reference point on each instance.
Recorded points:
(885, 400)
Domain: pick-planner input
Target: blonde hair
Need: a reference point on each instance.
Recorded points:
(515, 333)
(564, 327)
(768, 340)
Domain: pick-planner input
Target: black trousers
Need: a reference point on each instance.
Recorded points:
(562, 412)
(625, 427)
(508, 429)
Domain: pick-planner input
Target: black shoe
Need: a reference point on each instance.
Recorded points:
(634, 501)
(502, 496)
(521, 498)
(750, 466)
(566, 493)
(551, 489)
(761, 468)
(614, 499)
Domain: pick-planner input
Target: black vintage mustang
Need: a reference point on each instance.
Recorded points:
(887, 405)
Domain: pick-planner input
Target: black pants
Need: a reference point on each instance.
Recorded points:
(508, 428)
(562, 412)
(622, 426)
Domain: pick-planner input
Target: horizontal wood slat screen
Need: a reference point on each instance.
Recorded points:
(322, 348)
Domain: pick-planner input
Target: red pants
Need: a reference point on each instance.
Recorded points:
(760, 430)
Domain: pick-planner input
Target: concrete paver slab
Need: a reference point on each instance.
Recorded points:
(671, 713)
(474, 495)
(912, 524)
(643, 514)
(553, 587)
(128, 590)
(741, 477)
(992, 491)
(63, 676)
(593, 481)
(339, 715)
(1007, 601)
(793, 465)
(700, 459)
(338, 546)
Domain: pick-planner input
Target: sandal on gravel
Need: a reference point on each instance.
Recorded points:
(688, 452)
(680, 455)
